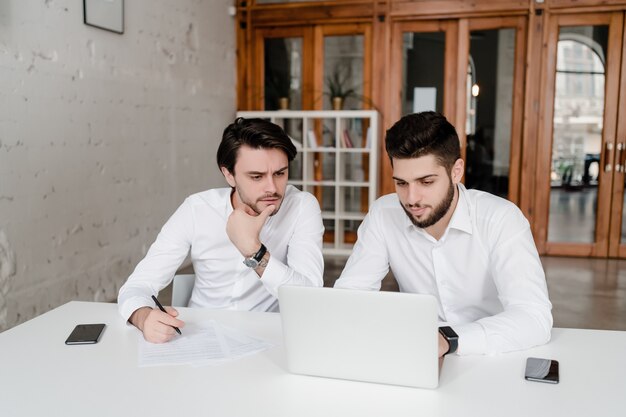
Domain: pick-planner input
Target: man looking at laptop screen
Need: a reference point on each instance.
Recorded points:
(472, 250)
(245, 241)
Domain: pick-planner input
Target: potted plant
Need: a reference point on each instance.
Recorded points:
(338, 89)
(278, 89)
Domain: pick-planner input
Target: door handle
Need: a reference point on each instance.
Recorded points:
(620, 161)
(608, 156)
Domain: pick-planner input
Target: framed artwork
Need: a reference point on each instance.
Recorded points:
(104, 14)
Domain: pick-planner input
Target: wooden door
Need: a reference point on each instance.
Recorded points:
(615, 156)
(456, 58)
(579, 193)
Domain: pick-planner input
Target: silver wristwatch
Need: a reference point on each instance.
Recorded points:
(255, 260)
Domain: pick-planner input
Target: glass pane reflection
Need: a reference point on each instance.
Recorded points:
(423, 59)
(283, 73)
(343, 72)
(577, 134)
(489, 110)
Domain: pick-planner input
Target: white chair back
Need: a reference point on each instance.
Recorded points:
(181, 289)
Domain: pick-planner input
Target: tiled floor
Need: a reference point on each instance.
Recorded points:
(585, 293)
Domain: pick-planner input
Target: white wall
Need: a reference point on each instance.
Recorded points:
(101, 137)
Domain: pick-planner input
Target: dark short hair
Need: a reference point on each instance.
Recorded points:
(255, 133)
(425, 133)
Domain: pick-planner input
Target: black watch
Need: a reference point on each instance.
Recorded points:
(255, 260)
(452, 338)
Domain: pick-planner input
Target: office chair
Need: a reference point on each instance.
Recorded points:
(181, 289)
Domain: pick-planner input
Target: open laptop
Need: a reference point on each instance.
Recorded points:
(372, 336)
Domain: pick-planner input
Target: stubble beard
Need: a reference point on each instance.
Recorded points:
(438, 213)
(255, 206)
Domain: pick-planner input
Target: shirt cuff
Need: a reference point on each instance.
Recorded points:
(472, 339)
(273, 275)
(128, 307)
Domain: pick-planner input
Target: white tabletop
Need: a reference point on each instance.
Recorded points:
(40, 376)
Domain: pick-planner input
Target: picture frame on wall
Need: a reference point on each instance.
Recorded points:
(104, 14)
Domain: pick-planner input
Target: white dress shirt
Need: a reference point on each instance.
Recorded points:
(484, 271)
(293, 236)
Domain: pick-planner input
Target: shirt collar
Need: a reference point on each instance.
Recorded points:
(461, 219)
(228, 207)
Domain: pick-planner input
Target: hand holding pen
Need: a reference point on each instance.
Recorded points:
(158, 325)
(166, 312)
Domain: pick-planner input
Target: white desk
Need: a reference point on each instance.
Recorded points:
(41, 376)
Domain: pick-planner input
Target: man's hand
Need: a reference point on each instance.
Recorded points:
(155, 324)
(244, 226)
(444, 346)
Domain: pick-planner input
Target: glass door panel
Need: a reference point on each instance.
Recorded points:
(576, 204)
(622, 184)
(283, 73)
(343, 72)
(489, 109)
(423, 65)
(578, 120)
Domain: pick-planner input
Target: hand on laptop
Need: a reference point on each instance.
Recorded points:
(157, 326)
(444, 346)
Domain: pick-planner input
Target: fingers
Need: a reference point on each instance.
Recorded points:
(169, 320)
(248, 210)
(171, 311)
(158, 327)
(266, 213)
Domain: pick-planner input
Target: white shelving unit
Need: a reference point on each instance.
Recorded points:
(337, 162)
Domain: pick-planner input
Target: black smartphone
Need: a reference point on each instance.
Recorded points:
(542, 370)
(85, 334)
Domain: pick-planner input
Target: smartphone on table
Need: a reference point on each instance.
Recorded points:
(85, 334)
(542, 370)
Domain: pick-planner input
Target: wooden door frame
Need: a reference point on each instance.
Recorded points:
(457, 51)
(617, 248)
(542, 203)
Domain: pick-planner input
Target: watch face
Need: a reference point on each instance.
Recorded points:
(250, 262)
(448, 332)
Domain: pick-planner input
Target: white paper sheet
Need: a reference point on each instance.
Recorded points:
(200, 345)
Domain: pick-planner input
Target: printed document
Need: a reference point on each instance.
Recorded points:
(208, 344)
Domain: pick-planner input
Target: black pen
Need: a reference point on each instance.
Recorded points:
(163, 310)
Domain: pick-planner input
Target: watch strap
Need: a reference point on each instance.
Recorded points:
(451, 337)
(260, 253)
(254, 260)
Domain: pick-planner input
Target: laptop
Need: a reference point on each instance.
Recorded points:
(371, 336)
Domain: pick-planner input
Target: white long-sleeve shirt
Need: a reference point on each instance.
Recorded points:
(484, 271)
(293, 236)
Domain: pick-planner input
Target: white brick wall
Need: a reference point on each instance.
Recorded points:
(101, 137)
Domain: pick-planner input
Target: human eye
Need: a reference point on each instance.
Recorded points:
(280, 173)
(255, 177)
(401, 183)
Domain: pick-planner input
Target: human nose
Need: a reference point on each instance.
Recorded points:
(270, 185)
(414, 194)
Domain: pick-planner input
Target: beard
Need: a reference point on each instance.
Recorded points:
(255, 205)
(438, 212)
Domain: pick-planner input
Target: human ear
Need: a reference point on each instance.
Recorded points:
(230, 178)
(457, 170)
